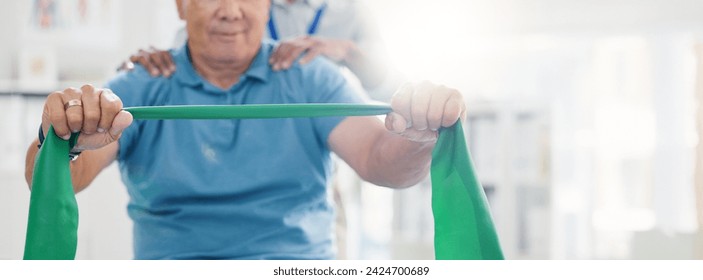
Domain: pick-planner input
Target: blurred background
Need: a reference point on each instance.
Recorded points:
(583, 120)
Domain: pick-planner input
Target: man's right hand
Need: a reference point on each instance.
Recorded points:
(157, 62)
(95, 113)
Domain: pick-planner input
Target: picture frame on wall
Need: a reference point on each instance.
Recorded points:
(38, 69)
(68, 23)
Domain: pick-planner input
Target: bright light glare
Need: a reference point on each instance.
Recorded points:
(426, 40)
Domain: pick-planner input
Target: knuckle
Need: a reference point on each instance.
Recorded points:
(54, 97)
(87, 87)
(91, 115)
(111, 106)
(75, 121)
(71, 92)
(115, 103)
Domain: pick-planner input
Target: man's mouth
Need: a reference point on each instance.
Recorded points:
(226, 33)
(226, 36)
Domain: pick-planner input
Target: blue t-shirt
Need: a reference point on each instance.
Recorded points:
(231, 189)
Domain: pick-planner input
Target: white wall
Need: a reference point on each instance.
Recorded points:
(104, 229)
(8, 32)
(615, 79)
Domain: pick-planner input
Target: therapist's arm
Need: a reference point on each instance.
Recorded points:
(370, 71)
(100, 121)
(399, 154)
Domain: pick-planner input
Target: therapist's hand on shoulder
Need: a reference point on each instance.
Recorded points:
(310, 47)
(157, 62)
(94, 112)
(420, 110)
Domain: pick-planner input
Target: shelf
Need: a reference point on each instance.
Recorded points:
(13, 87)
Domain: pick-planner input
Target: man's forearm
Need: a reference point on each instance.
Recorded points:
(29, 162)
(398, 162)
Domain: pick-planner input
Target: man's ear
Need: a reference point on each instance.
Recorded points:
(181, 9)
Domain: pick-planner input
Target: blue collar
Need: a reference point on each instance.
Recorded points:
(186, 74)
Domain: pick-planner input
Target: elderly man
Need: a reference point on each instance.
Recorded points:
(340, 30)
(240, 189)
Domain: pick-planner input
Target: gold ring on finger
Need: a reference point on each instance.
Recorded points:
(72, 103)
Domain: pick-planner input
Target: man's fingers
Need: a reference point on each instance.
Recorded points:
(454, 109)
(73, 108)
(110, 105)
(436, 110)
(400, 102)
(122, 120)
(419, 111)
(420, 105)
(56, 115)
(91, 108)
(395, 122)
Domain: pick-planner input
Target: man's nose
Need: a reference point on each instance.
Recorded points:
(230, 9)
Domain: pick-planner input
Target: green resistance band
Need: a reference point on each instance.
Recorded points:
(464, 229)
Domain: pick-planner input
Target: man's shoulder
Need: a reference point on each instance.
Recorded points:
(136, 86)
(319, 65)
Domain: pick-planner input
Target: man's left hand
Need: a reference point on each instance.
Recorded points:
(420, 110)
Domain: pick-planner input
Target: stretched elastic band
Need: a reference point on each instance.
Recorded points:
(463, 224)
